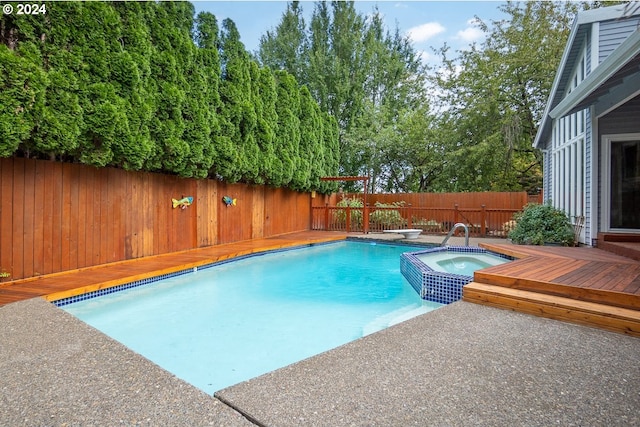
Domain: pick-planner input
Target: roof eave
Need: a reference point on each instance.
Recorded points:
(618, 58)
(556, 81)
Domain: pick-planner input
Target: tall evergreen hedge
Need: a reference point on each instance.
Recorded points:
(148, 86)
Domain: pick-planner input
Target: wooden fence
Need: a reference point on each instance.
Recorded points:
(485, 213)
(61, 216)
(503, 200)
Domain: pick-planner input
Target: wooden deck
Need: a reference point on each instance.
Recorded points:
(76, 282)
(583, 285)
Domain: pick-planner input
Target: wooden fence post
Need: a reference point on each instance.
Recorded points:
(409, 215)
(365, 218)
(456, 214)
(348, 225)
(483, 221)
(326, 217)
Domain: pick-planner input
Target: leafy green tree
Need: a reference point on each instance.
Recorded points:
(353, 67)
(495, 95)
(285, 48)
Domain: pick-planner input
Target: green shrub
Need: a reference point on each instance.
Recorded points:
(540, 224)
(340, 215)
(387, 218)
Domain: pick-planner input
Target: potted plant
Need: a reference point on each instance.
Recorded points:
(542, 225)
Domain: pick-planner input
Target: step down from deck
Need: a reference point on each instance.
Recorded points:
(585, 313)
(623, 244)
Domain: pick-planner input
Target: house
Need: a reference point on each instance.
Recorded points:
(590, 131)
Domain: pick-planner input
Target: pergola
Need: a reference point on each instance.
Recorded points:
(365, 209)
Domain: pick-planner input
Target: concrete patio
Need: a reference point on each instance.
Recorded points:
(461, 365)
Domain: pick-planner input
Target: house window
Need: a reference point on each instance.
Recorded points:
(568, 151)
(568, 164)
(621, 183)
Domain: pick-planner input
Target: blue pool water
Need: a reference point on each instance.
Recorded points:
(234, 321)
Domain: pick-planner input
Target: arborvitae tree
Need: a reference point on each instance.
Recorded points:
(22, 84)
(238, 119)
(288, 131)
(267, 122)
(330, 142)
(144, 88)
(309, 134)
(207, 66)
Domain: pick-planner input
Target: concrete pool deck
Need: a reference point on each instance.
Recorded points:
(460, 365)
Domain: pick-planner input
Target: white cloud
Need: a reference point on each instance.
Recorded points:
(424, 32)
(472, 33)
(424, 56)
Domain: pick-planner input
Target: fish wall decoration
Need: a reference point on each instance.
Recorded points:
(183, 203)
(228, 201)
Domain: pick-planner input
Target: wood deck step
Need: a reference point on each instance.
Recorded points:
(608, 317)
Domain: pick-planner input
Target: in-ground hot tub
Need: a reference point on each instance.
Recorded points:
(439, 274)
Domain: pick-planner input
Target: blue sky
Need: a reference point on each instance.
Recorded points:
(429, 23)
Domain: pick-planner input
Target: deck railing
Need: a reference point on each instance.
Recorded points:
(481, 221)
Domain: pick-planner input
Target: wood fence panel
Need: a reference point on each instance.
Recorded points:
(147, 209)
(61, 216)
(6, 216)
(273, 216)
(18, 219)
(65, 249)
(48, 184)
(56, 258)
(89, 225)
(286, 211)
(172, 221)
(83, 221)
(237, 222)
(206, 209)
(97, 223)
(182, 222)
(159, 221)
(75, 244)
(38, 219)
(303, 214)
(132, 214)
(257, 212)
(103, 219)
(29, 207)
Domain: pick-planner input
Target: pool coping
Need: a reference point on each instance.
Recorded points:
(125, 281)
(67, 297)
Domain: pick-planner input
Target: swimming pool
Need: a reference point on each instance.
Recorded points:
(237, 320)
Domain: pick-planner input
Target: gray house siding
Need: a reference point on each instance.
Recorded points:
(623, 119)
(613, 33)
(588, 173)
(588, 153)
(547, 182)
